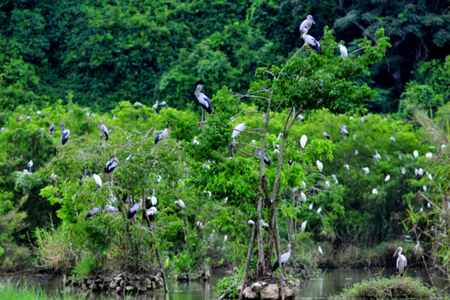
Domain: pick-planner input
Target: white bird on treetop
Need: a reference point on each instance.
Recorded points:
(387, 178)
(392, 139)
(196, 142)
(429, 155)
(319, 166)
(344, 52)
(319, 210)
(307, 23)
(430, 176)
(97, 179)
(155, 106)
(366, 169)
(416, 154)
(327, 183)
(151, 213)
(310, 40)
(335, 179)
(425, 188)
(375, 191)
(420, 172)
(304, 226)
(347, 166)
(111, 209)
(153, 199)
(237, 130)
(303, 141)
(203, 100)
(161, 135)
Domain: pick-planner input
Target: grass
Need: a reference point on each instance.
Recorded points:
(24, 291)
(387, 288)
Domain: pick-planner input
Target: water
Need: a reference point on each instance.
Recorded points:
(331, 283)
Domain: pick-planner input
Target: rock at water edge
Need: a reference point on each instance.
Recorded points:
(249, 293)
(270, 292)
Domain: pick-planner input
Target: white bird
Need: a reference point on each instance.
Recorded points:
(344, 52)
(304, 226)
(420, 210)
(112, 198)
(319, 210)
(320, 250)
(429, 155)
(387, 178)
(237, 130)
(161, 135)
(196, 142)
(344, 130)
(283, 259)
(300, 117)
(158, 178)
(416, 154)
(425, 188)
(39, 113)
(307, 23)
(362, 120)
(65, 133)
(164, 104)
(366, 169)
(280, 135)
(356, 152)
(97, 179)
(103, 130)
(354, 136)
(53, 176)
(134, 209)
(376, 156)
(347, 166)
(128, 158)
(428, 205)
(401, 261)
(311, 206)
(420, 172)
(303, 184)
(443, 147)
(203, 100)
(388, 158)
(29, 165)
(327, 183)
(151, 213)
(94, 211)
(403, 171)
(400, 157)
(111, 209)
(335, 179)
(375, 191)
(111, 164)
(392, 139)
(319, 166)
(88, 114)
(19, 119)
(28, 119)
(310, 40)
(114, 116)
(200, 225)
(138, 103)
(251, 222)
(303, 196)
(430, 176)
(417, 246)
(153, 199)
(225, 238)
(303, 141)
(180, 203)
(352, 118)
(155, 106)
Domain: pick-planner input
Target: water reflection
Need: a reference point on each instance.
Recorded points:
(333, 282)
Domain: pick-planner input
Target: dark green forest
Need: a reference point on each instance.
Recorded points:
(359, 162)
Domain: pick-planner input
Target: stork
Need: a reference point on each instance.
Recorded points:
(151, 213)
(155, 106)
(153, 199)
(94, 211)
(164, 104)
(103, 130)
(19, 119)
(401, 261)
(134, 209)
(111, 209)
(161, 135)
(65, 133)
(310, 40)
(283, 259)
(111, 164)
(28, 119)
(343, 51)
(203, 100)
(52, 129)
(29, 165)
(307, 23)
(327, 136)
(344, 130)
(266, 158)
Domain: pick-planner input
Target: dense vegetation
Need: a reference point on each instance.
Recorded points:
(82, 62)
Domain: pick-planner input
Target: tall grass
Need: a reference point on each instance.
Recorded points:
(24, 291)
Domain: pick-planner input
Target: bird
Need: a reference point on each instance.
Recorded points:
(362, 120)
(195, 141)
(366, 169)
(429, 155)
(266, 158)
(52, 129)
(39, 113)
(319, 210)
(319, 166)
(112, 198)
(29, 165)
(300, 118)
(151, 213)
(307, 23)
(347, 167)
(161, 135)
(97, 179)
(88, 114)
(416, 154)
(387, 178)
(111, 209)
(327, 183)
(103, 130)
(420, 172)
(155, 106)
(425, 188)
(344, 52)
(303, 196)
(237, 130)
(320, 250)
(403, 171)
(158, 178)
(303, 141)
(304, 226)
(401, 261)
(200, 225)
(310, 40)
(28, 119)
(356, 152)
(375, 191)
(180, 203)
(352, 118)
(134, 209)
(203, 100)
(417, 246)
(138, 103)
(344, 130)
(311, 206)
(114, 116)
(327, 136)
(164, 104)
(283, 259)
(19, 119)
(335, 179)
(303, 184)
(430, 176)
(392, 139)
(153, 199)
(376, 155)
(94, 211)
(251, 222)
(354, 136)
(416, 172)
(65, 133)
(111, 164)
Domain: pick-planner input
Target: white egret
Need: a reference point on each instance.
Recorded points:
(420, 210)
(392, 139)
(111, 164)
(301, 118)
(429, 155)
(112, 198)
(158, 178)
(97, 179)
(347, 166)
(203, 100)
(195, 141)
(319, 166)
(161, 135)
(375, 191)
(303, 141)
(154, 200)
(428, 205)
(28, 119)
(327, 183)
(403, 171)
(354, 136)
(237, 130)
(362, 120)
(335, 179)
(376, 156)
(425, 188)
(319, 210)
(416, 171)
(310, 40)
(420, 172)
(311, 206)
(303, 227)
(387, 178)
(180, 203)
(303, 184)
(344, 130)
(417, 246)
(401, 261)
(303, 196)
(155, 106)
(430, 176)
(19, 119)
(416, 154)
(344, 52)
(65, 133)
(356, 152)
(400, 157)
(283, 259)
(138, 103)
(320, 250)
(366, 169)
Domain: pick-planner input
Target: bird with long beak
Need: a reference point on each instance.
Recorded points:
(307, 23)
(401, 261)
(310, 40)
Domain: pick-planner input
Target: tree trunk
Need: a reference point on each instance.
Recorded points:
(249, 258)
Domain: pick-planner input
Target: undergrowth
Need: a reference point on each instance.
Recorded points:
(24, 291)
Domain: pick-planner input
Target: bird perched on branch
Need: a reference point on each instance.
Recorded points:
(65, 133)
(203, 100)
(134, 209)
(29, 165)
(94, 211)
(97, 179)
(284, 258)
(111, 164)
(343, 51)
(161, 135)
(401, 261)
(237, 130)
(307, 23)
(52, 129)
(151, 213)
(103, 130)
(310, 40)
(266, 158)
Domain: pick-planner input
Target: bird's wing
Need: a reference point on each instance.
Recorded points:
(405, 260)
(398, 259)
(204, 100)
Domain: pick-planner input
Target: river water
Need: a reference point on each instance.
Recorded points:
(330, 283)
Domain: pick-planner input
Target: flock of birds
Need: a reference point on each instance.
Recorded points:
(205, 103)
